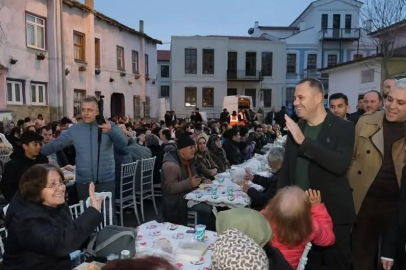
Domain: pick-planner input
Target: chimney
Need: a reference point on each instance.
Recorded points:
(302, 25)
(89, 3)
(256, 24)
(141, 26)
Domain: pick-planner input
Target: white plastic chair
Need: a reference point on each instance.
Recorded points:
(127, 189)
(3, 231)
(192, 215)
(4, 158)
(107, 217)
(303, 259)
(77, 209)
(146, 184)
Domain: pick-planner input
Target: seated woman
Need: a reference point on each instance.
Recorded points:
(41, 232)
(296, 218)
(205, 165)
(217, 153)
(231, 146)
(254, 225)
(260, 199)
(141, 133)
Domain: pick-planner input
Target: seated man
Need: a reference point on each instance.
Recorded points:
(260, 199)
(21, 162)
(179, 178)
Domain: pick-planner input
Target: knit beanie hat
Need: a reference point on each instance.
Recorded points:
(234, 250)
(184, 141)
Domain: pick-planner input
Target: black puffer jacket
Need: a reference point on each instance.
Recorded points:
(42, 237)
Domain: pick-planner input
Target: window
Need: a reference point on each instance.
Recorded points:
(387, 46)
(135, 62)
(78, 95)
(290, 93)
(164, 71)
(146, 65)
(348, 23)
(250, 63)
(120, 58)
(231, 92)
(208, 97)
(208, 61)
(331, 60)
(232, 61)
(367, 75)
(190, 61)
(97, 52)
(267, 64)
(35, 31)
(137, 107)
(79, 46)
(267, 97)
(312, 61)
(253, 94)
(38, 94)
(291, 63)
(357, 56)
(190, 96)
(14, 93)
(164, 91)
(147, 107)
(324, 22)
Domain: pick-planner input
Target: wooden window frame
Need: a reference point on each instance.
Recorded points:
(188, 60)
(122, 59)
(289, 66)
(208, 58)
(264, 68)
(195, 102)
(207, 105)
(83, 46)
(97, 52)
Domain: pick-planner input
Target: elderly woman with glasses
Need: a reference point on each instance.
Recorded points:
(41, 232)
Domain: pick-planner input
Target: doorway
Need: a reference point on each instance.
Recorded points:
(336, 25)
(117, 105)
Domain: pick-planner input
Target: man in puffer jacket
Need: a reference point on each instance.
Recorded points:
(84, 137)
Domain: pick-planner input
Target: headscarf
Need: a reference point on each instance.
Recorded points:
(234, 250)
(211, 145)
(248, 221)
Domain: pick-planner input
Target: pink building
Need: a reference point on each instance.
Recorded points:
(55, 52)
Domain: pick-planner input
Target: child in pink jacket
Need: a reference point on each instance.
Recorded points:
(296, 218)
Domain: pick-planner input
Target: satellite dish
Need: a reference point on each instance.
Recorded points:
(250, 31)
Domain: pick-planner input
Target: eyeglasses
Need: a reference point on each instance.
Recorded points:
(56, 185)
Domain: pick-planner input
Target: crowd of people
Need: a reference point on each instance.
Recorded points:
(338, 182)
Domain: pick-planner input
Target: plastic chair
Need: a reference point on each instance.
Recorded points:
(192, 215)
(303, 259)
(77, 209)
(107, 219)
(127, 189)
(146, 184)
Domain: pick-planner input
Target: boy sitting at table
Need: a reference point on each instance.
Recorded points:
(260, 199)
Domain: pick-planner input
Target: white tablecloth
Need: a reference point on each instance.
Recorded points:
(151, 231)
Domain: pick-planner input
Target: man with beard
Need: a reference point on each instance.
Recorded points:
(318, 153)
(339, 106)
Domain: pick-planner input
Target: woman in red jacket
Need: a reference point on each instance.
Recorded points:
(296, 218)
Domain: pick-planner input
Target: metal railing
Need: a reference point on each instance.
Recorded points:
(244, 75)
(340, 33)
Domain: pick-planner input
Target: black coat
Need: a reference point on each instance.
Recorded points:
(330, 156)
(232, 152)
(394, 240)
(42, 237)
(260, 199)
(13, 170)
(224, 117)
(199, 117)
(269, 118)
(276, 259)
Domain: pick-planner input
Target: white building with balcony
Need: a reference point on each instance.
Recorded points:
(204, 69)
(325, 34)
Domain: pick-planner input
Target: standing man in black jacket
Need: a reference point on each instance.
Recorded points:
(317, 156)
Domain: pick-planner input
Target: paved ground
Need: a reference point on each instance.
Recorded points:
(149, 212)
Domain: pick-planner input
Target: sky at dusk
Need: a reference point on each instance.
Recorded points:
(166, 18)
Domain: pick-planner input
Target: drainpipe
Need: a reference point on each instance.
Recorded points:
(64, 106)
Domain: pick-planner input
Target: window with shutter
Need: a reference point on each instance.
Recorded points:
(147, 107)
(137, 107)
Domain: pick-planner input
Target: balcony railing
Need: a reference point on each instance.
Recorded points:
(244, 75)
(314, 73)
(340, 34)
